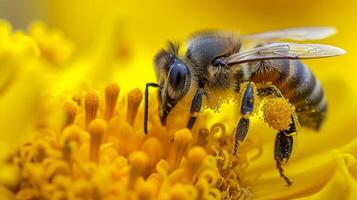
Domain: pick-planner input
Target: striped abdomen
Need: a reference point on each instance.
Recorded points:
(298, 84)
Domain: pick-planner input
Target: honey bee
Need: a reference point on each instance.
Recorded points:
(220, 61)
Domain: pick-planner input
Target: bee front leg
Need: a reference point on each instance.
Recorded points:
(283, 149)
(247, 108)
(146, 110)
(195, 107)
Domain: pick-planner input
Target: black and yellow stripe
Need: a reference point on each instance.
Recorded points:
(298, 84)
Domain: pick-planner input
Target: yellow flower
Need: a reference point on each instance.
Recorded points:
(101, 157)
(54, 47)
(87, 141)
(20, 83)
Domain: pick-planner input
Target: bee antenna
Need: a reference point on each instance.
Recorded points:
(146, 111)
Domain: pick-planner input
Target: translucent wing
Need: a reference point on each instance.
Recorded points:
(298, 34)
(284, 51)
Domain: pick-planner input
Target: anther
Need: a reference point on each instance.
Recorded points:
(28, 193)
(96, 130)
(182, 141)
(138, 161)
(202, 137)
(77, 98)
(146, 190)
(91, 107)
(70, 108)
(153, 147)
(70, 140)
(195, 158)
(178, 192)
(134, 99)
(111, 96)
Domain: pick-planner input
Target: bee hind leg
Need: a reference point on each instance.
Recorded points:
(247, 107)
(283, 149)
(284, 139)
(146, 110)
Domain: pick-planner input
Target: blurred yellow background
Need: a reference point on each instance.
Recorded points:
(118, 39)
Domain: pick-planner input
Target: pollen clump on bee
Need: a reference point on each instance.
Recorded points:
(277, 113)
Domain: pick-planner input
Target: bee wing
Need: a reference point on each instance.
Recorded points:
(284, 51)
(298, 34)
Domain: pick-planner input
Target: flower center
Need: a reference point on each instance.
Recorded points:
(102, 152)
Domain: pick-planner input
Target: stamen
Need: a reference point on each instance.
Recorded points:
(139, 163)
(111, 96)
(77, 98)
(70, 141)
(202, 137)
(134, 99)
(277, 113)
(178, 193)
(195, 159)
(91, 107)
(146, 190)
(55, 167)
(70, 108)
(182, 140)
(218, 130)
(209, 176)
(153, 147)
(96, 129)
(28, 193)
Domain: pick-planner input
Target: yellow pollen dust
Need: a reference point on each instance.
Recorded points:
(278, 112)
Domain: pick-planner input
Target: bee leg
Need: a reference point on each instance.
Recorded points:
(147, 104)
(195, 107)
(247, 108)
(284, 139)
(283, 149)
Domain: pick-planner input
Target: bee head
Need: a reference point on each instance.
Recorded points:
(174, 80)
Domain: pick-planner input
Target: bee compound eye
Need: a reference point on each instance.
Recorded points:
(178, 80)
(178, 77)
